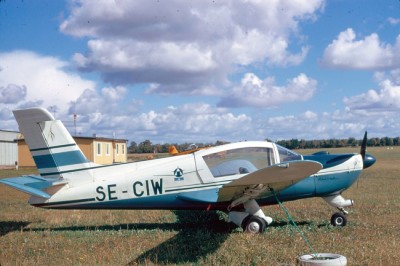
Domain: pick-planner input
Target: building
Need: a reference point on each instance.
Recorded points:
(97, 150)
(8, 148)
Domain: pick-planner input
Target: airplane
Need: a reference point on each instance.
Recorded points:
(238, 178)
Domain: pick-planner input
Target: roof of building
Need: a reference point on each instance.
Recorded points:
(94, 138)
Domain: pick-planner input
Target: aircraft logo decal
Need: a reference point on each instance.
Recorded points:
(178, 173)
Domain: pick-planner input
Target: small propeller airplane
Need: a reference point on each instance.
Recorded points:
(237, 178)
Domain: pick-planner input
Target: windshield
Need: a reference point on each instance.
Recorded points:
(239, 161)
(288, 155)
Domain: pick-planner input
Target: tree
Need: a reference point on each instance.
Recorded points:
(351, 142)
(145, 147)
(133, 148)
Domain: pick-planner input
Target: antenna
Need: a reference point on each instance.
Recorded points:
(75, 117)
(75, 123)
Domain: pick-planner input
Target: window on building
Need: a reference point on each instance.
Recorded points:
(117, 148)
(123, 148)
(107, 148)
(98, 148)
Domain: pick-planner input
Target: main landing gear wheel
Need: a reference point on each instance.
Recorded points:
(338, 219)
(254, 224)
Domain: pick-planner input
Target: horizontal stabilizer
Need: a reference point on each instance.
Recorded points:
(33, 185)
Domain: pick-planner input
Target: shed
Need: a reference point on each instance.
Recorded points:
(96, 149)
(8, 148)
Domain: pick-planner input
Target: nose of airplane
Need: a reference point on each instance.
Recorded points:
(369, 160)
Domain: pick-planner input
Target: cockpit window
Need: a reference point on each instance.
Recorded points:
(287, 155)
(239, 161)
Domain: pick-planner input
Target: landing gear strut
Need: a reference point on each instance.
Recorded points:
(252, 220)
(339, 218)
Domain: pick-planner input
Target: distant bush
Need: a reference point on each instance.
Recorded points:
(148, 147)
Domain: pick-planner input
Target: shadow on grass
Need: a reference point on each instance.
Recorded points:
(11, 226)
(200, 233)
(281, 224)
(115, 227)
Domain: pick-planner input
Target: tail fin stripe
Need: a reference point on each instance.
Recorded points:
(74, 170)
(59, 159)
(53, 147)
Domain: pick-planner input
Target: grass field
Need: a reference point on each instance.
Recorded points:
(31, 235)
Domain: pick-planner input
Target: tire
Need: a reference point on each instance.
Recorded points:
(338, 219)
(322, 259)
(254, 224)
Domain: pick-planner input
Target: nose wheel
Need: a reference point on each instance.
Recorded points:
(339, 219)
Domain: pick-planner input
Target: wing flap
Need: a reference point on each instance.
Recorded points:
(278, 177)
(33, 185)
(201, 196)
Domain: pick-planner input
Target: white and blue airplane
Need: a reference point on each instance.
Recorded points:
(237, 178)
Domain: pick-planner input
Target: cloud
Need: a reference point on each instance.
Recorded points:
(12, 94)
(186, 47)
(186, 123)
(255, 92)
(393, 21)
(43, 80)
(368, 53)
(107, 101)
(383, 100)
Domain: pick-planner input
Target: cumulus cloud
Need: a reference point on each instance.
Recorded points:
(42, 80)
(385, 99)
(368, 53)
(186, 46)
(265, 93)
(325, 125)
(188, 122)
(12, 94)
(105, 101)
(393, 21)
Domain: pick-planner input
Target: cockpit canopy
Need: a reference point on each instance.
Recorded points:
(244, 160)
(287, 155)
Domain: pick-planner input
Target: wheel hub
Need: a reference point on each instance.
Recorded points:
(253, 227)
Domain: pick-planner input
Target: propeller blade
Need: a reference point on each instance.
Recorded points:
(364, 146)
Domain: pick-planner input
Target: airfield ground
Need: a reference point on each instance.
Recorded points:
(33, 236)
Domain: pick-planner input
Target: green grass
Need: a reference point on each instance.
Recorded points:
(31, 235)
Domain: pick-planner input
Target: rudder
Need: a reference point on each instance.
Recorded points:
(52, 147)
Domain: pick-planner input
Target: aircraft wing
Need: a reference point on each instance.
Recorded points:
(257, 184)
(34, 185)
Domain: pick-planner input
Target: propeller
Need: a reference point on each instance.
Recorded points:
(368, 159)
(364, 146)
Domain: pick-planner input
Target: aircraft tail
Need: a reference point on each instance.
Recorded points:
(172, 150)
(52, 147)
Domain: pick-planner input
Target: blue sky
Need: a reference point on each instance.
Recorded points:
(201, 71)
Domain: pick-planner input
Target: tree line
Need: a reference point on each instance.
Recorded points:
(148, 147)
(338, 143)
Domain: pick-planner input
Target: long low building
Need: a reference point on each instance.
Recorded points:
(96, 149)
(8, 148)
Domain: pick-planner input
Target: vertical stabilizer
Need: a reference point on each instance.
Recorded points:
(52, 147)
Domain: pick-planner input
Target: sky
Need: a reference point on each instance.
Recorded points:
(200, 71)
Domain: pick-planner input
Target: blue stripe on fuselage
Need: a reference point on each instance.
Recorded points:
(328, 160)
